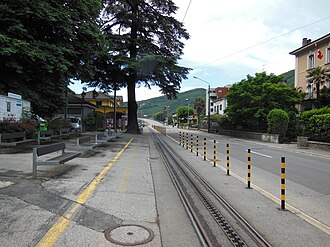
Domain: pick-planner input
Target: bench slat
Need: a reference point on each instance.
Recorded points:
(61, 159)
(14, 135)
(84, 139)
(50, 148)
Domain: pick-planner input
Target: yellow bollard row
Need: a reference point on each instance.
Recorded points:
(184, 141)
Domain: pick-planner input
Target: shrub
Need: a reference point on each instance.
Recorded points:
(27, 125)
(58, 124)
(291, 133)
(94, 121)
(317, 127)
(30, 127)
(278, 121)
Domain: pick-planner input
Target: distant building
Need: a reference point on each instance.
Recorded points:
(13, 107)
(310, 55)
(105, 104)
(219, 105)
(218, 101)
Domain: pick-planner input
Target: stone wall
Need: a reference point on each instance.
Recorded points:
(251, 135)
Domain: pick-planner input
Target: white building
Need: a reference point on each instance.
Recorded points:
(219, 106)
(12, 107)
(218, 101)
(213, 96)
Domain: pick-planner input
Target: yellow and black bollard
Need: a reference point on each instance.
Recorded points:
(227, 155)
(215, 153)
(204, 148)
(196, 145)
(191, 143)
(282, 183)
(180, 138)
(187, 143)
(249, 170)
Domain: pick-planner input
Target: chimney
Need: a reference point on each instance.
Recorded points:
(304, 41)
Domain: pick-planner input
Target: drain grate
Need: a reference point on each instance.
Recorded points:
(129, 235)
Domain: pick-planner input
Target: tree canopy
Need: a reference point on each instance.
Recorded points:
(251, 99)
(318, 77)
(43, 45)
(145, 45)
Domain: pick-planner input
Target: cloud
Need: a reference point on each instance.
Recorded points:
(230, 39)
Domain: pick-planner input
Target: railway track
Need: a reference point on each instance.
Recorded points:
(190, 185)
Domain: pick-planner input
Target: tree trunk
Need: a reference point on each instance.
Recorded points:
(132, 123)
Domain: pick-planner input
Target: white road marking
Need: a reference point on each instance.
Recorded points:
(264, 155)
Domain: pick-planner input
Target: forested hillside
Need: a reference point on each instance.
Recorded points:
(289, 78)
(152, 106)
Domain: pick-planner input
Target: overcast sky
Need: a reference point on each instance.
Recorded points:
(230, 39)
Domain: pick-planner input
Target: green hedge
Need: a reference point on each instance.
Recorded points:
(316, 124)
(308, 114)
(277, 121)
(318, 127)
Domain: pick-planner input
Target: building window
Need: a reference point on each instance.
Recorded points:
(311, 61)
(328, 55)
(8, 106)
(220, 107)
(219, 91)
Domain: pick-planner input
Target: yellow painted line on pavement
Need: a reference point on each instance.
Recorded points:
(56, 230)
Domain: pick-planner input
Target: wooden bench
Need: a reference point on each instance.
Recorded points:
(14, 139)
(86, 143)
(60, 159)
(46, 135)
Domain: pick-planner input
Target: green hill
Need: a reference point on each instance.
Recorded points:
(152, 106)
(289, 78)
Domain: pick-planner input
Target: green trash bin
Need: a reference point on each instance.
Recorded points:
(42, 126)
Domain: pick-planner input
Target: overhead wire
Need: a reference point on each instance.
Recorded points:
(185, 14)
(261, 43)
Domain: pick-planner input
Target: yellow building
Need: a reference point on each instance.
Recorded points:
(310, 55)
(105, 104)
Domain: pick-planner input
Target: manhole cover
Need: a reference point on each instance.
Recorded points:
(129, 235)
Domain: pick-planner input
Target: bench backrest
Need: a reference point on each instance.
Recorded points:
(15, 135)
(84, 139)
(45, 132)
(50, 148)
(100, 136)
(65, 131)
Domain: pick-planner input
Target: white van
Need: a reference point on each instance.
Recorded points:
(75, 123)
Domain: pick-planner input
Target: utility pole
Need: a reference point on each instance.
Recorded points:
(208, 104)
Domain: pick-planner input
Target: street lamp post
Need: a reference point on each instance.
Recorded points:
(208, 103)
(188, 112)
